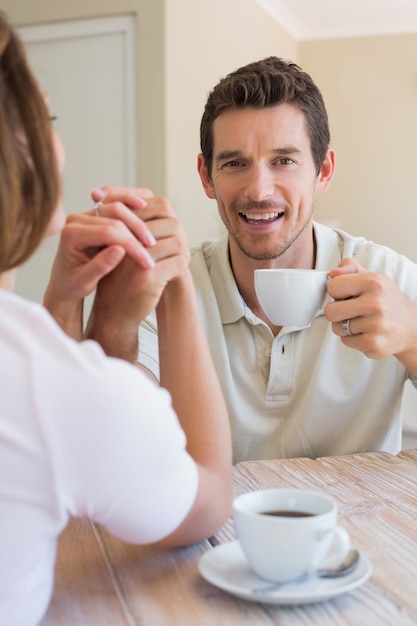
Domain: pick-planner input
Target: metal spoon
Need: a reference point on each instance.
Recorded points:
(342, 569)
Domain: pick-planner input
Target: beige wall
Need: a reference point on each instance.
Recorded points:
(370, 87)
(185, 46)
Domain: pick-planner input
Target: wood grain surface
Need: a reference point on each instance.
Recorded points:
(102, 581)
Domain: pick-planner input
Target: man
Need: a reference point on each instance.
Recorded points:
(335, 386)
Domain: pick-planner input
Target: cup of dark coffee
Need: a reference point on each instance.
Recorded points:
(285, 533)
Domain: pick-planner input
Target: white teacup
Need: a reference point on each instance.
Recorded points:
(285, 533)
(291, 297)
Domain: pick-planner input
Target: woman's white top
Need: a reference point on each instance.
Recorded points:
(80, 435)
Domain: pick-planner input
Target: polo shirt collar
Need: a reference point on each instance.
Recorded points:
(329, 246)
(230, 302)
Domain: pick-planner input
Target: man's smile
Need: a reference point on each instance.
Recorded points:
(257, 218)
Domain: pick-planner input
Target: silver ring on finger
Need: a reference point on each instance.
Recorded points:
(96, 208)
(346, 328)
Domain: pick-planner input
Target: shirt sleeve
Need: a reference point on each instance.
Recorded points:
(117, 451)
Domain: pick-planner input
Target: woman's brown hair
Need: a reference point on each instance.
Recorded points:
(29, 177)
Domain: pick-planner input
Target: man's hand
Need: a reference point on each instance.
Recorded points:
(382, 320)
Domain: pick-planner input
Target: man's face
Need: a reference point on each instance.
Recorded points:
(265, 182)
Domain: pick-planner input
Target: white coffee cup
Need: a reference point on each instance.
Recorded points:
(291, 297)
(280, 547)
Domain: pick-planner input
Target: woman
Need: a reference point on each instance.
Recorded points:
(82, 434)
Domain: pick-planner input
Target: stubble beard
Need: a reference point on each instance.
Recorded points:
(268, 254)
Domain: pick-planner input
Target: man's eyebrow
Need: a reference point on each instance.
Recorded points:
(228, 154)
(236, 154)
(287, 150)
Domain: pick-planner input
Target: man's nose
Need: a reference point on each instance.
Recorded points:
(259, 183)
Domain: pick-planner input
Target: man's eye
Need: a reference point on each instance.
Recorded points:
(232, 164)
(285, 161)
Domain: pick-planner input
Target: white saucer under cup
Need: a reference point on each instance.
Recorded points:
(226, 567)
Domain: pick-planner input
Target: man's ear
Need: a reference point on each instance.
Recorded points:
(205, 177)
(326, 171)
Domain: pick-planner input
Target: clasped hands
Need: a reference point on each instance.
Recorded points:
(131, 250)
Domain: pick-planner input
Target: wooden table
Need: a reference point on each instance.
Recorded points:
(101, 581)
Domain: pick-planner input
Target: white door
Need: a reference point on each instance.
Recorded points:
(87, 69)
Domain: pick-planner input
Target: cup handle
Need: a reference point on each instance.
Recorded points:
(339, 548)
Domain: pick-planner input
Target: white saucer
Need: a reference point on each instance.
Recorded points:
(225, 566)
